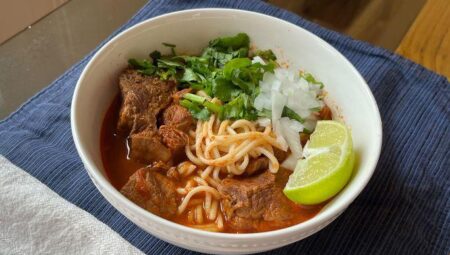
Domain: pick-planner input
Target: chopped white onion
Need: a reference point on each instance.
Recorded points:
(280, 136)
(286, 88)
(292, 124)
(310, 123)
(258, 59)
(263, 102)
(290, 162)
(291, 133)
(278, 103)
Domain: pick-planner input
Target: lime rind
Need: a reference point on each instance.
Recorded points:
(324, 188)
(308, 187)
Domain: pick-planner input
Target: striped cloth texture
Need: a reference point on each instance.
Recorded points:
(405, 209)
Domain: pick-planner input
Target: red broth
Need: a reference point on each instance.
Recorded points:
(119, 168)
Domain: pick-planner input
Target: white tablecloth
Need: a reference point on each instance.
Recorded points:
(36, 220)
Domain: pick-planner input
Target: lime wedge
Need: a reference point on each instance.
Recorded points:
(327, 167)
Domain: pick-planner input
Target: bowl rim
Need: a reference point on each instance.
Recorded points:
(318, 220)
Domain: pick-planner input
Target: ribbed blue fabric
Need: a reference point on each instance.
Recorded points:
(405, 209)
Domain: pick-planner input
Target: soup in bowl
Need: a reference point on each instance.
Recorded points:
(225, 131)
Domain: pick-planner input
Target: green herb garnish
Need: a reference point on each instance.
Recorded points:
(171, 46)
(266, 54)
(223, 70)
(288, 112)
(309, 78)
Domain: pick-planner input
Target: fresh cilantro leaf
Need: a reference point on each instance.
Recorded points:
(219, 59)
(224, 90)
(199, 65)
(140, 64)
(310, 78)
(168, 63)
(196, 111)
(235, 64)
(266, 54)
(155, 55)
(243, 79)
(143, 66)
(168, 68)
(224, 49)
(189, 76)
(165, 74)
(239, 108)
(203, 114)
(268, 67)
(248, 77)
(236, 42)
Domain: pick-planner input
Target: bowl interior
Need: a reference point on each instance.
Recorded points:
(191, 31)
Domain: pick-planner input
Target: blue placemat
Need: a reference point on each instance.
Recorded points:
(405, 209)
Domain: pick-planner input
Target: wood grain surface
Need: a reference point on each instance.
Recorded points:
(428, 40)
(381, 22)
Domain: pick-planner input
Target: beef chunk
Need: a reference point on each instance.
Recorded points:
(173, 174)
(257, 165)
(174, 139)
(161, 167)
(251, 203)
(280, 210)
(143, 97)
(247, 198)
(177, 121)
(153, 191)
(179, 117)
(147, 147)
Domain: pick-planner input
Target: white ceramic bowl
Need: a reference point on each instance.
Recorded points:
(190, 31)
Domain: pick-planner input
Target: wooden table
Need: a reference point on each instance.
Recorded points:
(428, 39)
(416, 29)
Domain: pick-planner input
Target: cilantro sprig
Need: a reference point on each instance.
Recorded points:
(223, 70)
